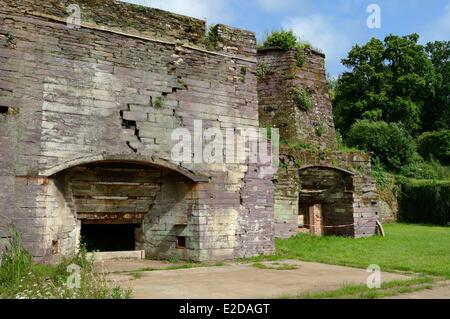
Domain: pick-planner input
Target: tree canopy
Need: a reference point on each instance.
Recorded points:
(395, 81)
(398, 82)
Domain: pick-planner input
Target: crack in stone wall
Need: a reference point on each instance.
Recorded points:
(87, 92)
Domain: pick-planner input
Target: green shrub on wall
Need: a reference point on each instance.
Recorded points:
(282, 39)
(302, 99)
(287, 40)
(424, 202)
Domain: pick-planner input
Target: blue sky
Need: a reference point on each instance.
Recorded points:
(334, 26)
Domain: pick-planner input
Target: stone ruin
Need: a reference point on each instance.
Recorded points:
(317, 188)
(86, 117)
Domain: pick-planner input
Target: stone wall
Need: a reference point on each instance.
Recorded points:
(119, 16)
(277, 106)
(234, 41)
(112, 92)
(351, 207)
(332, 189)
(309, 157)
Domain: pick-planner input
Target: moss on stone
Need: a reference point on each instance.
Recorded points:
(159, 103)
(261, 70)
(243, 73)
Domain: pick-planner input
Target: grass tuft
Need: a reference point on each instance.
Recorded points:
(275, 266)
(388, 289)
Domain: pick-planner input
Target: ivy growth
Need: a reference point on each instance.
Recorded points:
(320, 130)
(183, 83)
(261, 70)
(10, 39)
(302, 99)
(243, 74)
(159, 103)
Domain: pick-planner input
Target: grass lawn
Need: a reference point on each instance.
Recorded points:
(388, 289)
(415, 248)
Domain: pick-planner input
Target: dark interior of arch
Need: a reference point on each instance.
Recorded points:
(114, 200)
(332, 191)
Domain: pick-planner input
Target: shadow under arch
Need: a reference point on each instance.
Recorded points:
(326, 167)
(151, 161)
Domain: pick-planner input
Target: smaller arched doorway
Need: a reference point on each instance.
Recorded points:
(326, 201)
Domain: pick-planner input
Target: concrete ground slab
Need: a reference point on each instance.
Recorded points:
(244, 281)
(128, 265)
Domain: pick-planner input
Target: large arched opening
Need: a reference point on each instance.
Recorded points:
(122, 204)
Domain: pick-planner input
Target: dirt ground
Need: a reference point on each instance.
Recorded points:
(241, 281)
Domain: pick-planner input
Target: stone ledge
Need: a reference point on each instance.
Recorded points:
(115, 255)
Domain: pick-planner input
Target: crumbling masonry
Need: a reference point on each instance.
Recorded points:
(86, 118)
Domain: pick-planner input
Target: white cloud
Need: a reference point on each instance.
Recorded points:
(322, 32)
(274, 5)
(440, 29)
(212, 11)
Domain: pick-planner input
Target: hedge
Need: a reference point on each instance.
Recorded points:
(424, 201)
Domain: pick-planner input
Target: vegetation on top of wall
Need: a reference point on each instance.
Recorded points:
(296, 145)
(211, 40)
(302, 98)
(421, 188)
(344, 148)
(287, 40)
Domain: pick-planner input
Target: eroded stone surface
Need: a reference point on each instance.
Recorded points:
(312, 171)
(88, 113)
(88, 96)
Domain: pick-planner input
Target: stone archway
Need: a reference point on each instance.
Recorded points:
(124, 158)
(114, 204)
(326, 201)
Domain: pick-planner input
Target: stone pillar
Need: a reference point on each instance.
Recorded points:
(315, 217)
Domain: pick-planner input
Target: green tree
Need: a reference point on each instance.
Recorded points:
(390, 144)
(387, 81)
(436, 114)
